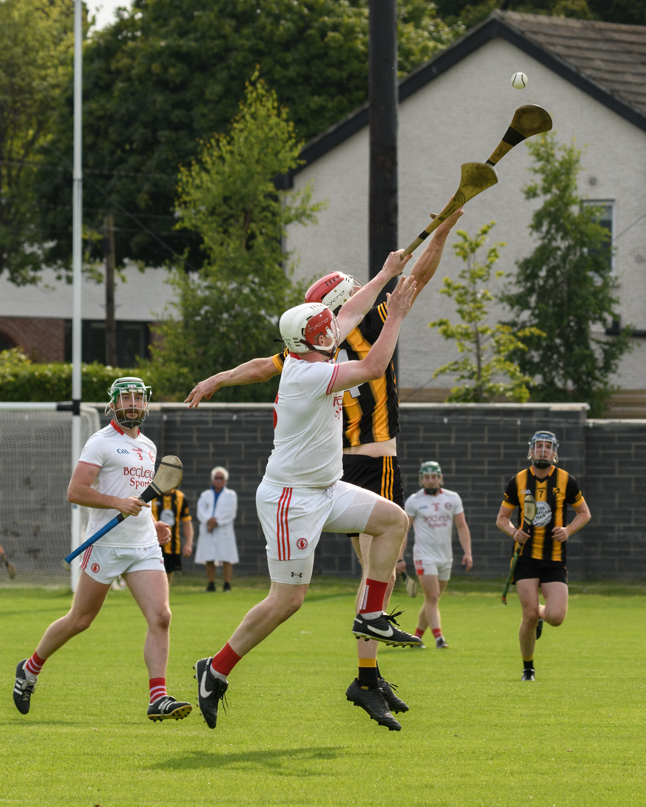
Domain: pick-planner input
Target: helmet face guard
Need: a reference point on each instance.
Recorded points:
(543, 437)
(430, 467)
(123, 415)
(301, 326)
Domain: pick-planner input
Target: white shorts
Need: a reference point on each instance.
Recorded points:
(293, 520)
(105, 563)
(426, 565)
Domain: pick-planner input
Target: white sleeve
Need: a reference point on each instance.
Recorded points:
(204, 506)
(227, 508)
(94, 451)
(458, 505)
(318, 380)
(409, 507)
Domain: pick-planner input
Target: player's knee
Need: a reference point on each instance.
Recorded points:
(81, 622)
(161, 619)
(555, 619)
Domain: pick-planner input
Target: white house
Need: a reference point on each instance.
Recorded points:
(590, 77)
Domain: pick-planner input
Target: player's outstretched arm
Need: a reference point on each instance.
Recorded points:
(251, 372)
(353, 312)
(353, 373)
(427, 263)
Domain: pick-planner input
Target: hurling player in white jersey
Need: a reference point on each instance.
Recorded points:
(301, 494)
(115, 466)
(433, 511)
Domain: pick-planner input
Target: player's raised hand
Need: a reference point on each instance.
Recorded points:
(401, 299)
(446, 226)
(204, 389)
(395, 263)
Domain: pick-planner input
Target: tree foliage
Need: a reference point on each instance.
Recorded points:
(36, 46)
(228, 311)
(564, 288)
(485, 348)
(471, 12)
(169, 74)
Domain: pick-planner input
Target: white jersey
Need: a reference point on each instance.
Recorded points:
(308, 427)
(127, 466)
(433, 523)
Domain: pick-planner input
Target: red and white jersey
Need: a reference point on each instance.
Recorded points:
(127, 468)
(308, 427)
(433, 523)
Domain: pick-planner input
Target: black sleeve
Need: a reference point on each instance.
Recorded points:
(573, 494)
(373, 322)
(510, 496)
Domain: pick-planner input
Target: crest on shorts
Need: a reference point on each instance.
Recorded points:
(302, 543)
(95, 567)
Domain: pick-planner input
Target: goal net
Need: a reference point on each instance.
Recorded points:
(35, 516)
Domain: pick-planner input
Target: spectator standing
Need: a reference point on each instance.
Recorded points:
(217, 508)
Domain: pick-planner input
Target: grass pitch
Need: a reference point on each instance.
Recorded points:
(475, 734)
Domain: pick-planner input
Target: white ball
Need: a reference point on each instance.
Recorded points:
(519, 81)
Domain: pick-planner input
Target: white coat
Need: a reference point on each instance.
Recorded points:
(220, 543)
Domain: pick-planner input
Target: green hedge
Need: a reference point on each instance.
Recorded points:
(21, 380)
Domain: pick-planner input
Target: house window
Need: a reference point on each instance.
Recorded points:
(133, 339)
(606, 211)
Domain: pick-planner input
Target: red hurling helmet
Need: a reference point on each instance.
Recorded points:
(332, 290)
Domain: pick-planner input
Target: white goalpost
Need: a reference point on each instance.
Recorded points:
(37, 524)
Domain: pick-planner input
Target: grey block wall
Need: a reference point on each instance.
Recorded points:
(479, 447)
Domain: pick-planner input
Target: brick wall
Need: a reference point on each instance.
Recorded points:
(41, 338)
(479, 447)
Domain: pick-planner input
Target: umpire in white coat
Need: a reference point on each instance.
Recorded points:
(216, 511)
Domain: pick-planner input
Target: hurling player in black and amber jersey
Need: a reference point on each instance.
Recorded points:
(541, 564)
(370, 426)
(172, 508)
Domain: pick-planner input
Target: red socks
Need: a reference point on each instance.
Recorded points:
(419, 633)
(225, 661)
(34, 665)
(437, 632)
(157, 689)
(373, 597)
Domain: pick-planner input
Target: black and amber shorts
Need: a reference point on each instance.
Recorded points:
(172, 561)
(547, 571)
(381, 475)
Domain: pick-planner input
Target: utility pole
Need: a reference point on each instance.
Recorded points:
(110, 322)
(382, 93)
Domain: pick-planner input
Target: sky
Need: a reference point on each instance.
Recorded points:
(104, 10)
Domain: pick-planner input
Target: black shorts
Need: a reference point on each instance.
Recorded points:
(172, 561)
(547, 571)
(381, 475)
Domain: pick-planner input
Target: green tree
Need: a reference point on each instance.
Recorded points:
(36, 45)
(471, 12)
(485, 348)
(564, 288)
(228, 311)
(168, 74)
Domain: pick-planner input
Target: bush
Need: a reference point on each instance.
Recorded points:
(22, 380)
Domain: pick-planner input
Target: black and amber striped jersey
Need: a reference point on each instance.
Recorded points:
(371, 410)
(552, 496)
(171, 508)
